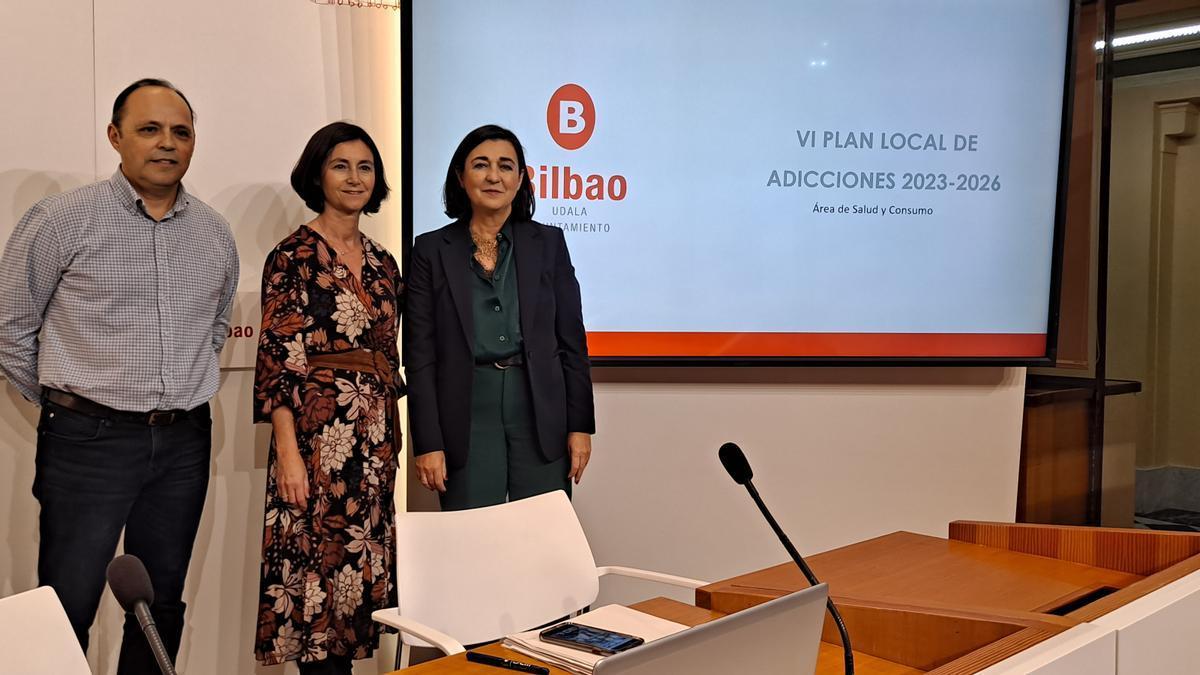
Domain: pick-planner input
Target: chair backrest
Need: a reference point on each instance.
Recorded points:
(480, 574)
(36, 638)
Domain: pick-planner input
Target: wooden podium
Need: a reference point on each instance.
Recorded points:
(919, 604)
(989, 595)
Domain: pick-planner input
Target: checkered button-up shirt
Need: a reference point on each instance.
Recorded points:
(98, 299)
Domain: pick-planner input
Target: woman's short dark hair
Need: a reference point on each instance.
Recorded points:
(306, 177)
(119, 104)
(454, 197)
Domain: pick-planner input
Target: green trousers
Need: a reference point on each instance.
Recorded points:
(504, 462)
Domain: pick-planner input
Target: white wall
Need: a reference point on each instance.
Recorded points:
(40, 155)
(841, 454)
(262, 77)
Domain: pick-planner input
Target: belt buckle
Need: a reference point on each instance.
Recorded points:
(159, 418)
(500, 366)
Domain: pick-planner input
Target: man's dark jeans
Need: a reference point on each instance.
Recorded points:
(98, 475)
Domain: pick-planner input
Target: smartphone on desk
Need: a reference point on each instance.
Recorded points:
(589, 639)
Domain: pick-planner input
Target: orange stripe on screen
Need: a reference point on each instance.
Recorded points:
(901, 345)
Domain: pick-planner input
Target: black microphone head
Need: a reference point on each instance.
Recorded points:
(735, 463)
(129, 582)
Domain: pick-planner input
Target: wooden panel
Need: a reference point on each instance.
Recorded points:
(831, 662)
(1052, 486)
(994, 653)
(1135, 591)
(679, 612)
(1140, 552)
(1148, 9)
(919, 570)
(1086, 648)
(1074, 328)
(926, 637)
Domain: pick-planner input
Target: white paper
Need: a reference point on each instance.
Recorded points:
(609, 617)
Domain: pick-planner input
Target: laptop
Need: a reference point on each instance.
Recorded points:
(777, 637)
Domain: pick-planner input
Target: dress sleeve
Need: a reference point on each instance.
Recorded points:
(391, 332)
(282, 363)
(394, 352)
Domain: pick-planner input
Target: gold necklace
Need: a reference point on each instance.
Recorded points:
(486, 251)
(485, 246)
(344, 250)
(352, 254)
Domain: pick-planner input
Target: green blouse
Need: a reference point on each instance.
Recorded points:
(494, 304)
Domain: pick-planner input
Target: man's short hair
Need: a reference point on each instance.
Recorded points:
(119, 104)
(306, 177)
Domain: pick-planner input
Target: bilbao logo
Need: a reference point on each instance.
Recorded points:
(239, 332)
(571, 119)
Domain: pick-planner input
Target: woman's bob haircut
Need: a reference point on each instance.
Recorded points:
(306, 177)
(454, 197)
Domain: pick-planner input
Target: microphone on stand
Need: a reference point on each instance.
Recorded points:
(734, 461)
(131, 586)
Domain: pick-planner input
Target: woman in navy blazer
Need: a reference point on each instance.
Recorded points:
(499, 382)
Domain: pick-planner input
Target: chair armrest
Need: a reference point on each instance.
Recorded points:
(391, 617)
(650, 576)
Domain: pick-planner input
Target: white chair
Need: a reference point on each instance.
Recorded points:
(36, 638)
(467, 577)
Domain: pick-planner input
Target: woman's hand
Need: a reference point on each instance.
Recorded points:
(579, 445)
(431, 470)
(291, 477)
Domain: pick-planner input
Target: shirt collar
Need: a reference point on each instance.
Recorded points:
(132, 202)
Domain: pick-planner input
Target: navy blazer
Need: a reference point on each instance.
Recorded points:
(439, 344)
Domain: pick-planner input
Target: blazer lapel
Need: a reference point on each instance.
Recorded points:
(456, 256)
(530, 261)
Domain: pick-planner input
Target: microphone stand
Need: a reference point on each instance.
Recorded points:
(847, 652)
(146, 620)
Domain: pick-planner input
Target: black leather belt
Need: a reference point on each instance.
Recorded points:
(515, 361)
(154, 418)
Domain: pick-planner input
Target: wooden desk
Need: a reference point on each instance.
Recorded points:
(914, 569)
(958, 605)
(919, 604)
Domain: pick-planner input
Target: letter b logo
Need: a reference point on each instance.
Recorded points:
(571, 116)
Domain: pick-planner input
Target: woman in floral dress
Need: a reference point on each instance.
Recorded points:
(327, 380)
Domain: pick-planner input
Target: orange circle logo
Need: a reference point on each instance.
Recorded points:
(571, 116)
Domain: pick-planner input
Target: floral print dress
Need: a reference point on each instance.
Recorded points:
(327, 567)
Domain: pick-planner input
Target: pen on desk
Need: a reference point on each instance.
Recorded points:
(489, 660)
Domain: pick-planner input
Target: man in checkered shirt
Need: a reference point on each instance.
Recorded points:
(114, 303)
